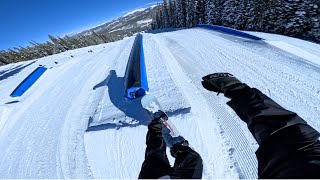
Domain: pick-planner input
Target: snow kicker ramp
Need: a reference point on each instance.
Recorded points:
(46, 134)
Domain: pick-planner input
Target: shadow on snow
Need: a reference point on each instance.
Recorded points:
(14, 71)
(132, 108)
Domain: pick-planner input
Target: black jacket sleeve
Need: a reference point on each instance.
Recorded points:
(288, 146)
(188, 163)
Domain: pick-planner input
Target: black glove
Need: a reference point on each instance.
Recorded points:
(221, 83)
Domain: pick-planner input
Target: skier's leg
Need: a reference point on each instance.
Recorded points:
(188, 163)
(156, 163)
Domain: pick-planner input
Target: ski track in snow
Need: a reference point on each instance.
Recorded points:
(216, 164)
(211, 116)
(45, 134)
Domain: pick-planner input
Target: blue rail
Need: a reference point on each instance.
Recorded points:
(143, 71)
(136, 82)
(28, 82)
(229, 31)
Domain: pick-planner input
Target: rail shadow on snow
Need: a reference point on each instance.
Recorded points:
(132, 108)
(14, 71)
(12, 102)
(7, 70)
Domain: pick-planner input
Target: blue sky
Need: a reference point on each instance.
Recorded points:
(24, 20)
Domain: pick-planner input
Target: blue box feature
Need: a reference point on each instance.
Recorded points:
(229, 31)
(28, 82)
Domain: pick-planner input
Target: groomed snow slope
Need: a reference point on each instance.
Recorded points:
(75, 123)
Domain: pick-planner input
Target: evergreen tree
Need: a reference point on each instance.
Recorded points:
(252, 15)
(241, 18)
(229, 13)
(200, 12)
(191, 13)
(161, 21)
(165, 16)
(181, 13)
(175, 17)
(171, 10)
(218, 4)
(156, 19)
(57, 46)
(209, 12)
(3, 60)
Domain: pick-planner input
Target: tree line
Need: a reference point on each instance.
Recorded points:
(54, 46)
(296, 18)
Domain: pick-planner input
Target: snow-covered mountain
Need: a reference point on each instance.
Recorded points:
(45, 133)
(132, 22)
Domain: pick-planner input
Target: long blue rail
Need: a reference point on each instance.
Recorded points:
(28, 82)
(136, 81)
(143, 71)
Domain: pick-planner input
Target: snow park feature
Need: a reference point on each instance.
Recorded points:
(45, 135)
(229, 31)
(136, 82)
(28, 82)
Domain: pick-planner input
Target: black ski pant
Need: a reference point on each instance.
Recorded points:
(288, 146)
(188, 163)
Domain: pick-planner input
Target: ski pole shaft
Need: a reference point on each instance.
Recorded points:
(173, 130)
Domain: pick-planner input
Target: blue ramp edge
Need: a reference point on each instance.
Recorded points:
(28, 82)
(136, 82)
(229, 31)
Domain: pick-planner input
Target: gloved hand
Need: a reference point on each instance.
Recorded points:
(221, 83)
(170, 141)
